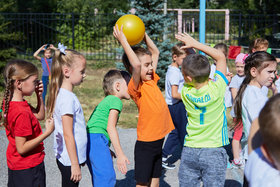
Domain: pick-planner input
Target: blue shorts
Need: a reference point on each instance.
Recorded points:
(99, 161)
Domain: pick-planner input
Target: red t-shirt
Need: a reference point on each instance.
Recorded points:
(23, 123)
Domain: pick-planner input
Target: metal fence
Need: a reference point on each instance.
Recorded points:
(92, 34)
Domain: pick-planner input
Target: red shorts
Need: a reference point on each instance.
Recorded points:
(238, 129)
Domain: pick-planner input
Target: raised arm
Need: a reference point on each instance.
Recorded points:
(36, 54)
(217, 55)
(39, 111)
(153, 49)
(133, 59)
(113, 134)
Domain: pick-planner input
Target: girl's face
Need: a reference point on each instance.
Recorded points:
(266, 76)
(146, 67)
(47, 53)
(239, 66)
(29, 85)
(77, 71)
(179, 59)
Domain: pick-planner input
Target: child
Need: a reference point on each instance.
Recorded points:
(234, 86)
(102, 131)
(25, 152)
(174, 81)
(259, 44)
(260, 70)
(203, 156)
(262, 168)
(70, 136)
(154, 118)
(46, 61)
(224, 49)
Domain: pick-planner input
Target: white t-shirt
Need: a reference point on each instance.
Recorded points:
(277, 84)
(68, 103)
(173, 77)
(252, 102)
(235, 82)
(259, 172)
(228, 98)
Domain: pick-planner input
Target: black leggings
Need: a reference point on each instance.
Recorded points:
(66, 175)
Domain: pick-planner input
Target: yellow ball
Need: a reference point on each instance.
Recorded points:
(133, 28)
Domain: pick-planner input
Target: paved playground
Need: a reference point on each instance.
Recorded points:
(127, 137)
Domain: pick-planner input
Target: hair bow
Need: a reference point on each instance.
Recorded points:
(62, 48)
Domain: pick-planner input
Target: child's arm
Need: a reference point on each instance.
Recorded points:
(254, 138)
(39, 111)
(217, 55)
(36, 54)
(233, 92)
(67, 124)
(23, 145)
(113, 134)
(153, 49)
(174, 92)
(133, 59)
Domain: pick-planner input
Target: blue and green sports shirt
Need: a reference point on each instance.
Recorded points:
(207, 123)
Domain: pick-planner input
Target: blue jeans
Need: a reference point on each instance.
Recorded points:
(177, 136)
(206, 164)
(99, 161)
(45, 80)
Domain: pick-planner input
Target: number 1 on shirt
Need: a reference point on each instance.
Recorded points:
(201, 115)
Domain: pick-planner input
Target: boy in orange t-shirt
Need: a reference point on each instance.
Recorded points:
(154, 121)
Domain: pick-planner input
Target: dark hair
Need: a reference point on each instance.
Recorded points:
(139, 51)
(259, 60)
(126, 76)
(223, 47)
(109, 79)
(197, 67)
(269, 121)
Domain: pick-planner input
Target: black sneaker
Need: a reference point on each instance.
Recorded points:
(167, 165)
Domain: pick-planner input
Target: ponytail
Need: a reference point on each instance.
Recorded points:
(258, 60)
(61, 58)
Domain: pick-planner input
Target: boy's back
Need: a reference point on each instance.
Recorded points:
(207, 126)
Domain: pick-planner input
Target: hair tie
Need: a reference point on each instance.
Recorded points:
(1, 110)
(62, 48)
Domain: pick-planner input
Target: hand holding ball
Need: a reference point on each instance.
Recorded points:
(133, 28)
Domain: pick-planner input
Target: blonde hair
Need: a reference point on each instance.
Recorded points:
(257, 44)
(59, 60)
(176, 50)
(15, 70)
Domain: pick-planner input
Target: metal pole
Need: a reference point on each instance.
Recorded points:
(202, 23)
(165, 12)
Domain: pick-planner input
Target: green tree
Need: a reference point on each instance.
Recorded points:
(6, 50)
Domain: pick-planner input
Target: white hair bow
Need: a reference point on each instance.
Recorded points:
(62, 48)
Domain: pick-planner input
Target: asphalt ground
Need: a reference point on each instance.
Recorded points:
(234, 177)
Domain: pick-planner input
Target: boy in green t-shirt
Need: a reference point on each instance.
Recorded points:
(102, 130)
(203, 156)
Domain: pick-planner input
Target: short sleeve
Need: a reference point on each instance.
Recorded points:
(67, 105)
(23, 125)
(220, 82)
(175, 79)
(234, 83)
(115, 103)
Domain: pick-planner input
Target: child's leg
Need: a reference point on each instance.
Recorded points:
(35, 176)
(45, 80)
(66, 175)
(236, 146)
(147, 156)
(213, 162)
(189, 171)
(100, 161)
(180, 121)
(170, 144)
